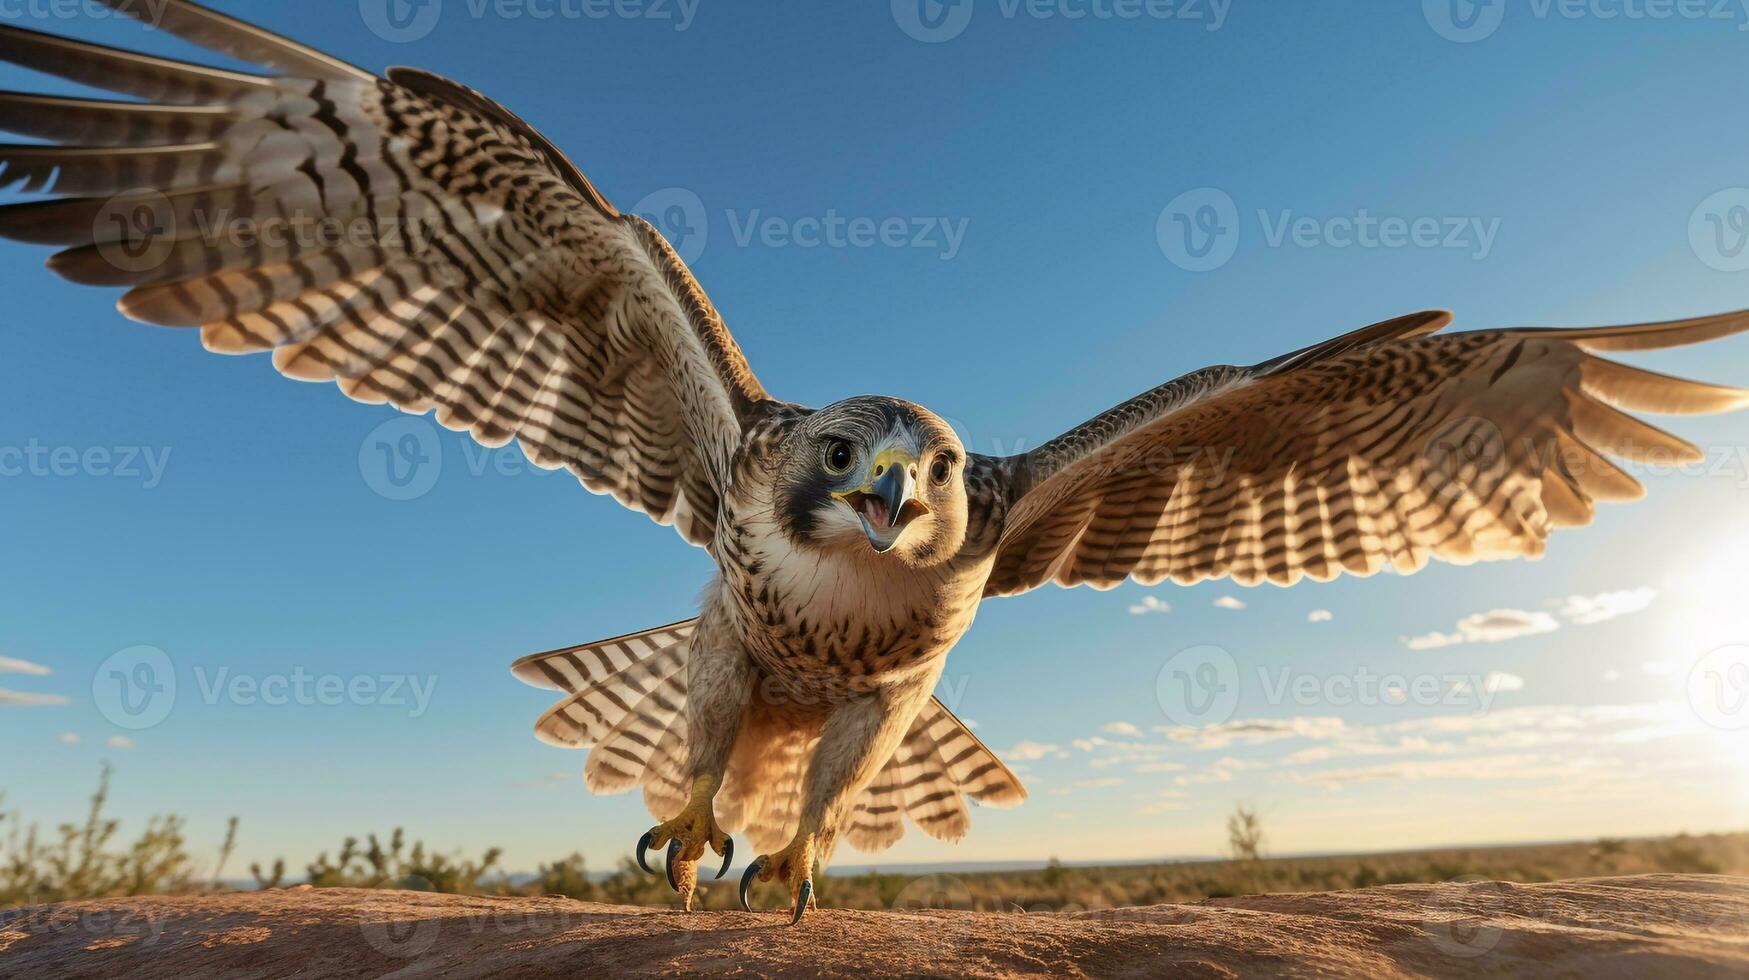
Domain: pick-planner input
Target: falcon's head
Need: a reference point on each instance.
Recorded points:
(878, 475)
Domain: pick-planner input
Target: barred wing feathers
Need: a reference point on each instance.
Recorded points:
(938, 766)
(432, 252)
(1387, 447)
(625, 703)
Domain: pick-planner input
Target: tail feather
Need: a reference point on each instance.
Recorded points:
(665, 786)
(935, 769)
(606, 680)
(627, 703)
(575, 668)
(762, 793)
(633, 749)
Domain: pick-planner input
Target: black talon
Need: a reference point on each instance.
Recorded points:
(644, 845)
(752, 872)
(806, 893)
(728, 856)
(673, 852)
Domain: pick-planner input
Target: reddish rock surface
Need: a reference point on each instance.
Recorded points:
(1649, 926)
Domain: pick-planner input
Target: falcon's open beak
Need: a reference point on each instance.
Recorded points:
(886, 502)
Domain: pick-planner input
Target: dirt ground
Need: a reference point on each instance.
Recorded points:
(1645, 926)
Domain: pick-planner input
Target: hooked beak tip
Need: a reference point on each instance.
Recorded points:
(885, 509)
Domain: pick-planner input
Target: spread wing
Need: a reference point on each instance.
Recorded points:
(404, 237)
(1389, 446)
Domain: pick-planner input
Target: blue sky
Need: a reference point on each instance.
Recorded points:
(1576, 166)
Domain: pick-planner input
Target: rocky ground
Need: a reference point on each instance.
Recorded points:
(1646, 926)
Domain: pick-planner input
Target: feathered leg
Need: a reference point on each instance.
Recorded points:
(857, 739)
(719, 684)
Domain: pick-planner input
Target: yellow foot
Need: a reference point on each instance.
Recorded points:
(687, 835)
(795, 865)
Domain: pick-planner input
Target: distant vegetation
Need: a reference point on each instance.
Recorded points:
(1245, 833)
(85, 859)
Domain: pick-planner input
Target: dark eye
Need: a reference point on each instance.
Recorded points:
(940, 470)
(839, 456)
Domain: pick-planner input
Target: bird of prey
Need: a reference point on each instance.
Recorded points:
(476, 273)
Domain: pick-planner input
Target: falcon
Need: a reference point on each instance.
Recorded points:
(441, 256)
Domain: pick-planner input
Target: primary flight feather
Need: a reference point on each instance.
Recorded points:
(465, 267)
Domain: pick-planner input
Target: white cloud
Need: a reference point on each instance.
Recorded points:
(1660, 668)
(1158, 807)
(1320, 616)
(1103, 783)
(120, 742)
(1516, 729)
(1150, 604)
(25, 699)
(68, 738)
(1569, 752)
(1152, 767)
(1432, 641)
(1583, 610)
(1516, 767)
(1498, 681)
(1510, 624)
(1253, 731)
(1121, 728)
(1494, 626)
(1363, 745)
(13, 665)
(1228, 602)
(1221, 770)
(1612, 674)
(1026, 751)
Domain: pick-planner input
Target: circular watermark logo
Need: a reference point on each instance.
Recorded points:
(394, 933)
(135, 231)
(401, 459)
(1464, 21)
(934, 892)
(1199, 686)
(401, 21)
(1199, 229)
(1463, 915)
(931, 893)
(135, 688)
(1470, 454)
(1718, 230)
(680, 216)
(932, 21)
(1718, 688)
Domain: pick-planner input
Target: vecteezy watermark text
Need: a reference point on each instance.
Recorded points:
(1200, 230)
(406, 21)
(149, 11)
(138, 688)
(301, 688)
(35, 459)
(681, 216)
(1203, 685)
(944, 236)
(935, 21)
(1468, 21)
